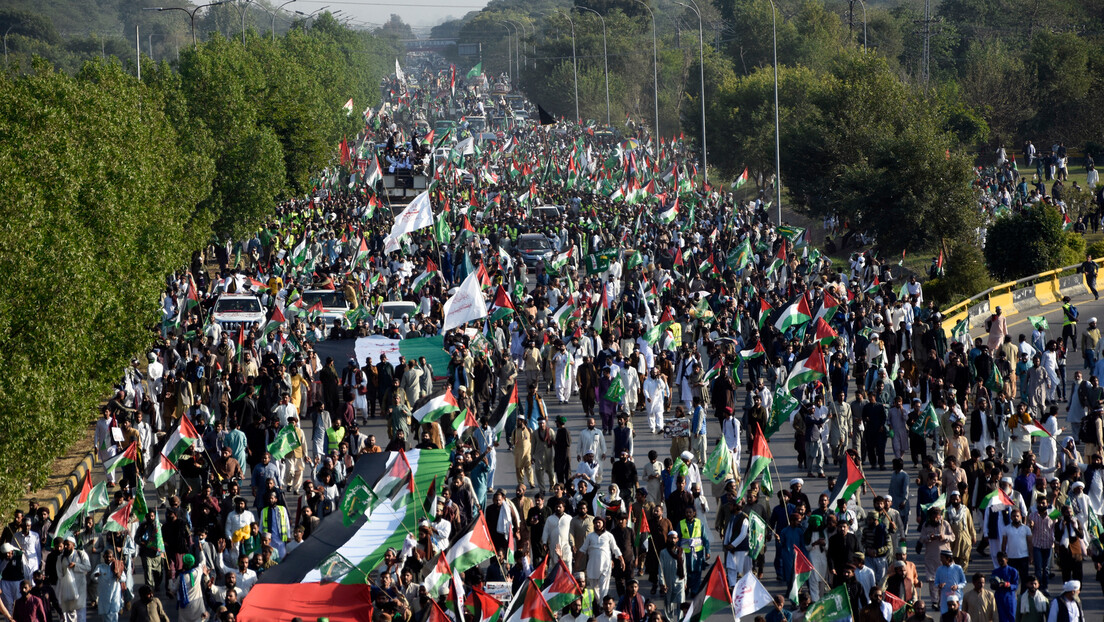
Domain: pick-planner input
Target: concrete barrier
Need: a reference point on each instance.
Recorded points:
(69, 487)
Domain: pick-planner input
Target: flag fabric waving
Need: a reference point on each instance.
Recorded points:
(803, 570)
(472, 548)
(713, 598)
(848, 482)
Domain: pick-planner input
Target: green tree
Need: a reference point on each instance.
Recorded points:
(1025, 243)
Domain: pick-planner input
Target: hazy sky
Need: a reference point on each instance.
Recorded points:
(420, 14)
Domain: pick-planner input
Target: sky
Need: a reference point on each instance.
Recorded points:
(420, 14)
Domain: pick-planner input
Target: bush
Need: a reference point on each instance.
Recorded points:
(965, 276)
(1096, 249)
(1074, 250)
(1026, 243)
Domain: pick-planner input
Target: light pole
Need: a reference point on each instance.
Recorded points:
(274, 13)
(655, 68)
(777, 128)
(701, 67)
(509, 49)
(13, 26)
(307, 16)
(574, 64)
(191, 14)
(242, 11)
(605, 57)
(864, 24)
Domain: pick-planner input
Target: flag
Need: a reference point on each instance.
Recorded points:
(1038, 321)
(374, 174)
(782, 409)
(808, 370)
(437, 580)
(120, 518)
(357, 499)
(794, 314)
(779, 259)
(466, 305)
(511, 409)
(286, 441)
(164, 471)
(940, 503)
(129, 456)
(928, 421)
(534, 608)
(395, 478)
(437, 407)
(764, 313)
(741, 180)
(463, 421)
(482, 607)
(422, 279)
(831, 607)
(348, 107)
(417, 215)
(475, 71)
(848, 482)
(718, 465)
(828, 308)
(276, 320)
(563, 590)
(616, 390)
(1036, 429)
(713, 598)
(757, 533)
(540, 574)
(668, 216)
(803, 570)
(996, 498)
(761, 457)
(77, 507)
(739, 258)
(897, 604)
(825, 334)
(503, 306)
(472, 548)
(182, 438)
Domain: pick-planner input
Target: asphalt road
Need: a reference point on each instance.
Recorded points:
(782, 446)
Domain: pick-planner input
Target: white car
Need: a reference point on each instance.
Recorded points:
(334, 305)
(232, 311)
(395, 309)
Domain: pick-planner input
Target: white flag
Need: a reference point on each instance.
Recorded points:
(465, 147)
(749, 596)
(399, 72)
(417, 215)
(466, 305)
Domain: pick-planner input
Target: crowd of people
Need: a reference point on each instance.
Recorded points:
(662, 315)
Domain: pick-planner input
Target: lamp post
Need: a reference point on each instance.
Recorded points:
(574, 64)
(655, 68)
(242, 11)
(509, 49)
(191, 14)
(307, 16)
(701, 67)
(274, 13)
(605, 57)
(777, 128)
(864, 24)
(13, 26)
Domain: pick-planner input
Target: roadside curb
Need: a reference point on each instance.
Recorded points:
(71, 485)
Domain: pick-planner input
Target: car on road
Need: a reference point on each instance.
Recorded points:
(549, 212)
(232, 311)
(334, 304)
(395, 309)
(534, 248)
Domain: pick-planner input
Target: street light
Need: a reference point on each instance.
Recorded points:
(6, 44)
(777, 130)
(191, 14)
(273, 13)
(307, 16)
(701, 67)
(242, 11)
(864, 22)
(655, 69)
(605, 57)
(510, 69)
(574, 64)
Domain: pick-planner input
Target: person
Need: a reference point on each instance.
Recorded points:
(979, 602)
(601, 550)
(953, 613)
(189, 591)
(1006, 583)
(109, 579)
(1016, 544)
(72, 568)
(877, 610)
(1090, 269)
(1067, 607)
(672, 576)
(1032, 605)
(147, 607)
(778, 611)
(949, 579)
(694, 538)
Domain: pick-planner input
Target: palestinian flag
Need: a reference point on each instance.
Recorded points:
(600, 315)
(808, 370)
(997, 498)
(874, 286)
(825, 334)
(120, 518)
(803, 570)
(764, 313)
(1038, 321)
(754, 352)
(472, 548)
(464, 421)
(437, 580)
(540, 574)
(90, 499)
(163, 472)
(503, 306)
(793, 315)
(276, 320)
(426, 276)
(761, 457)
(848, 482)
(897, 604)
(713, 599)
(129, 456)
(706, 265)
(713, 373)
(182, 438)
(510, 410)
(1035, 429)
(668, 216)
(779, 259)
(828, 308)
(480, 606)
(396, 479)
(563, 590)
(534, 608)
(437, 407)
(741, 180)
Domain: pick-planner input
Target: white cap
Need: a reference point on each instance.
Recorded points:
(686, 455)
(1092, 320)
(1071, 586)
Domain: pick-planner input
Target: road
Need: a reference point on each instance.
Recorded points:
(782, 446)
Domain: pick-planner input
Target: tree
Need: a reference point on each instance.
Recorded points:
(1025, 243)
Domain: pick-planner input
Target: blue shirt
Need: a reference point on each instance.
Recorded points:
(953, 580)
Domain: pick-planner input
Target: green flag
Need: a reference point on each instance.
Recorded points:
(286, 441)
(357, 500)
(475, 71)
(616, 390)
(785, 405)
(832, 607)
(1038, 322)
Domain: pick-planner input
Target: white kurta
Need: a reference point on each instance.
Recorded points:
(600, 549)
(655, 394)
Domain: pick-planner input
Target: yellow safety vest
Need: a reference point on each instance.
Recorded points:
(691, 536)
